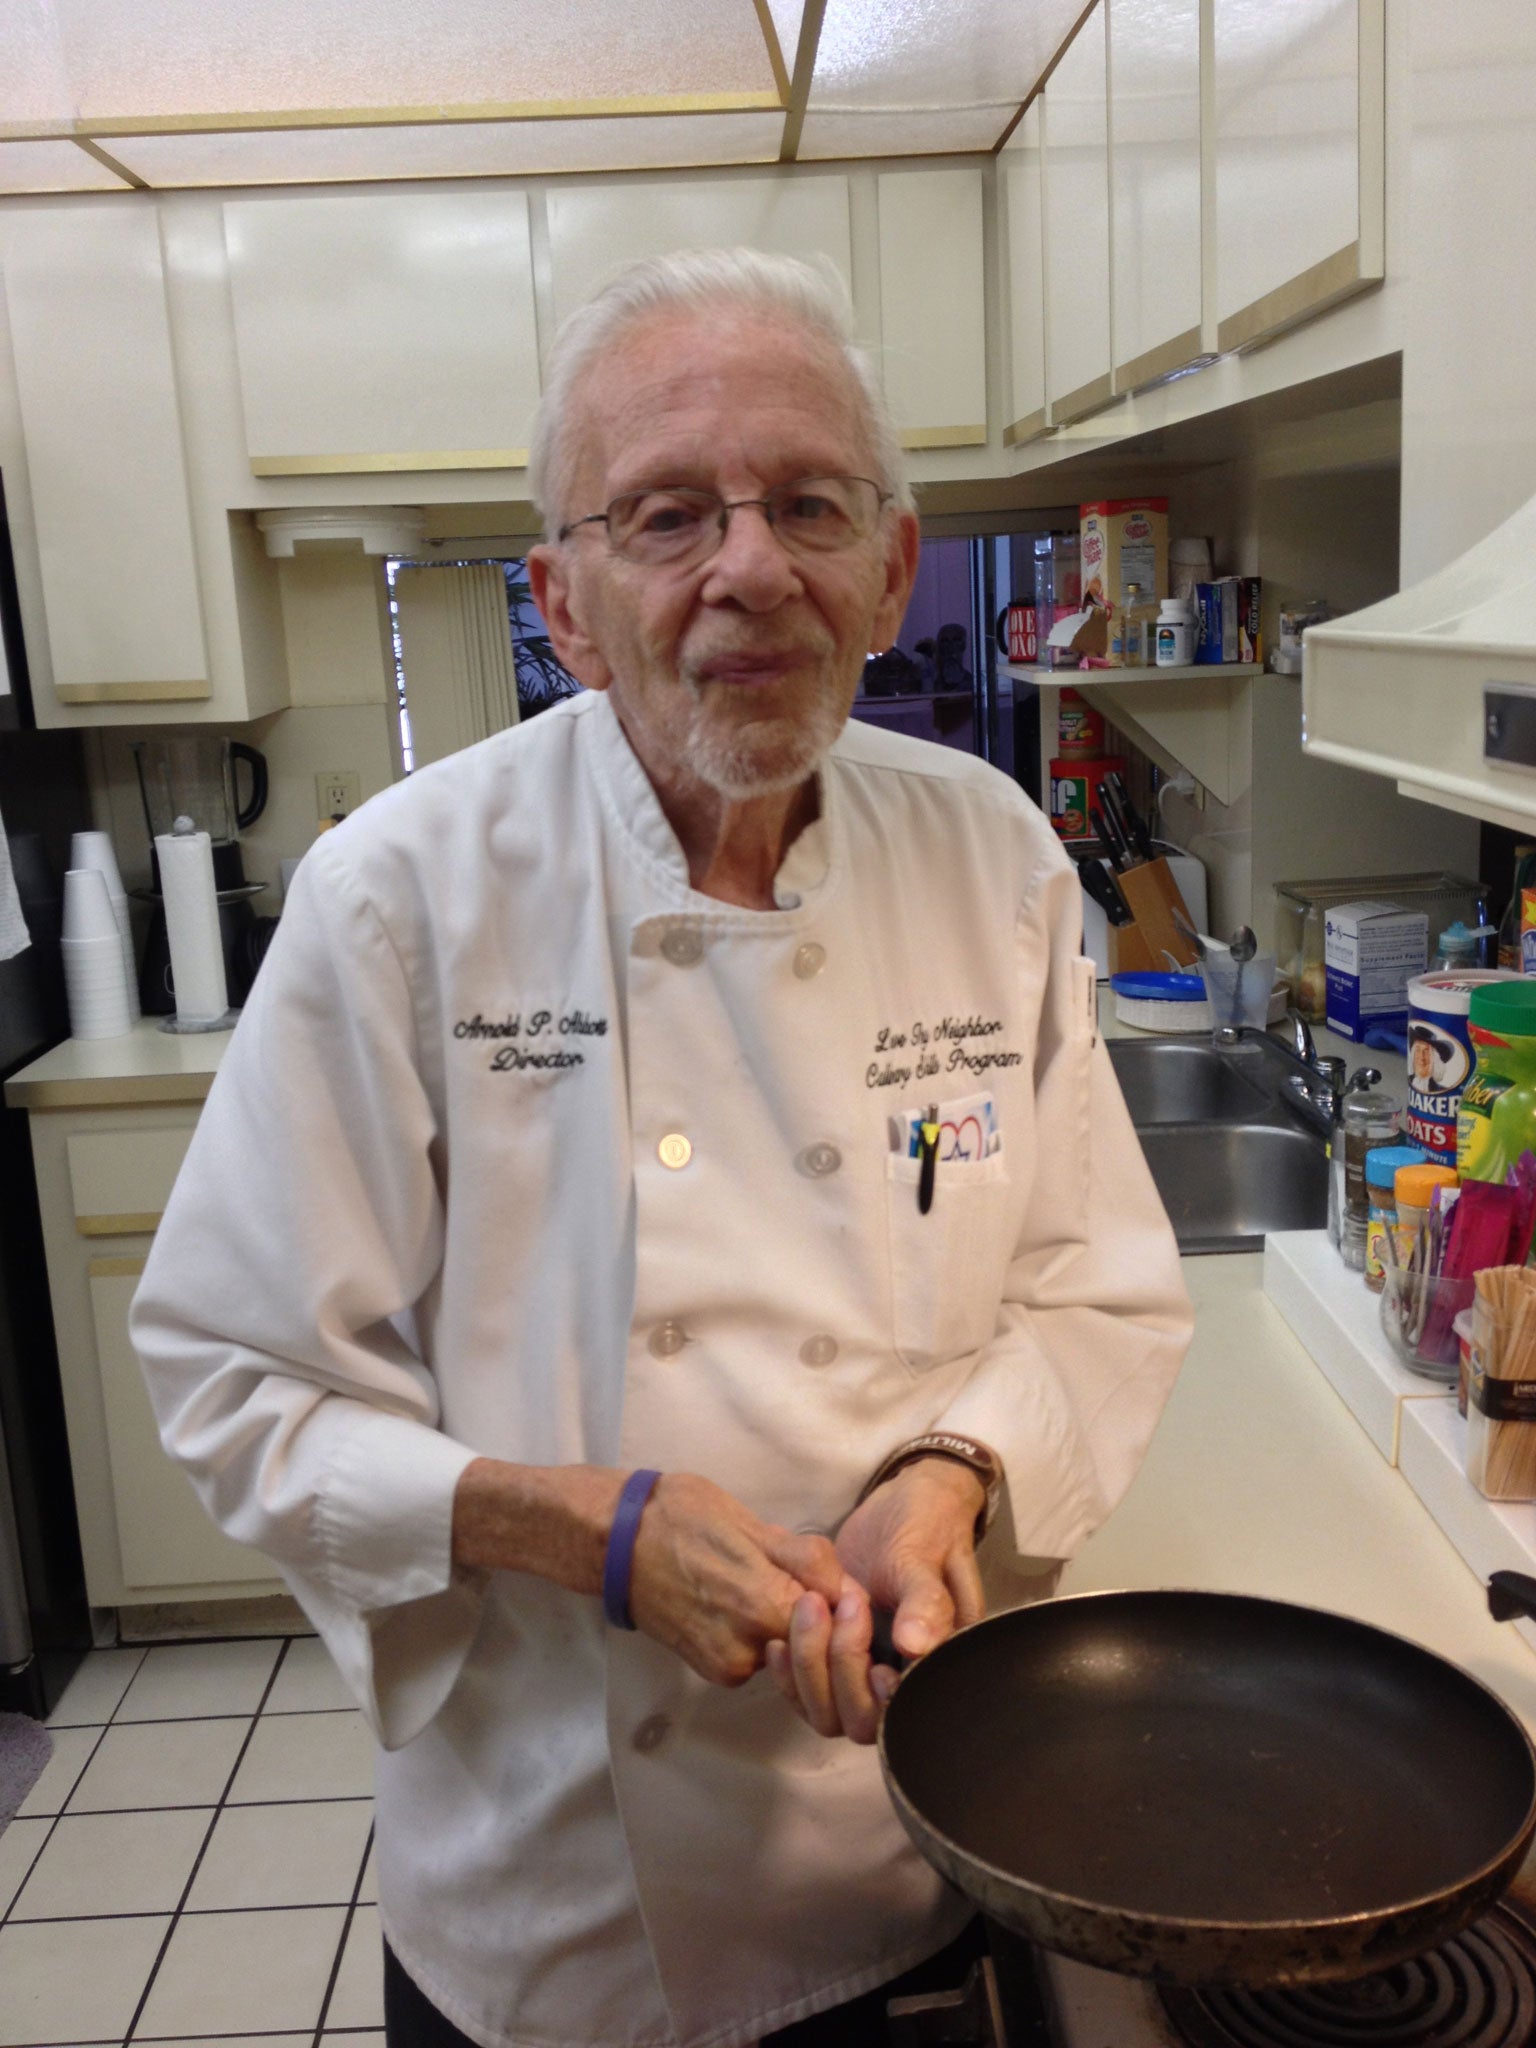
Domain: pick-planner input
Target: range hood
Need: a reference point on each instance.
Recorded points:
(1436, 687)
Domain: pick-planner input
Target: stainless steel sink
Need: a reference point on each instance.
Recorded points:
(1231, 1160)
(1187, 1081)
(1226, 1185)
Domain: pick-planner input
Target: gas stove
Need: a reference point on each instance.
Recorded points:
(1475, 1991)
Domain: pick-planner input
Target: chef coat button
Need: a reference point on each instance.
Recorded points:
(683, 945)
(809, 960)
(674, 1151)
(818, 1161)
(818, 1350)
(666, 1340)
(652, 1733)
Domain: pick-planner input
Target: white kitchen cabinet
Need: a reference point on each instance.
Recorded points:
(932, 306)
(384, 331)
(1022, 209)
(106, 1153)
(593, 229)
(1079, 361)
(85, 293)
(1155, 188)
(1299, 133)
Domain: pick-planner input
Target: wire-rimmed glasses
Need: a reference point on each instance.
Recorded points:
(676, 527)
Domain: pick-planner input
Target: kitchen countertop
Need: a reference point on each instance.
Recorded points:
(144, 1065)
(1260, 1481)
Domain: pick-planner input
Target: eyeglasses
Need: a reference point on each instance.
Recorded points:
(677, 528)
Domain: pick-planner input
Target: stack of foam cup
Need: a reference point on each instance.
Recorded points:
(94, 850)
(94, 975)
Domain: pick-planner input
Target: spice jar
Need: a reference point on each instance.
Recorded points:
(1412, 1190)
(1369, 1117)
(1381, 1170)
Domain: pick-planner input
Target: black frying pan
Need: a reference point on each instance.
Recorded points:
(1210, 1789)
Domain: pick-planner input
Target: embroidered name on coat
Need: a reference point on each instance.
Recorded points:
(529, 1042)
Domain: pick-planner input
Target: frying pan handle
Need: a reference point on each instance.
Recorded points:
(1512, 1595)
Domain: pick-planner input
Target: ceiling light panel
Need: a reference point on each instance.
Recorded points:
(786, 15)
(53, 167)
(902, 134)
(205, 57)
(35, 78)
(480, 150)
(930, 53)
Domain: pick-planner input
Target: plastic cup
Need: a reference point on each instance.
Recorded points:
(88, 912)
(1238, 992)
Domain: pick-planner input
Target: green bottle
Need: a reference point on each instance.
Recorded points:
(1496, 1120)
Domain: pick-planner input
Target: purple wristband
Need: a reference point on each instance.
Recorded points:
(619, 1560)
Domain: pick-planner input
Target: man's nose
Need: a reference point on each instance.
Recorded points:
(751, 566)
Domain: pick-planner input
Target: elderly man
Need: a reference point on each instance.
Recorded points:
(688, 1084)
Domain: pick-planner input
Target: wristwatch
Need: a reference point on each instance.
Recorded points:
(962, 1450)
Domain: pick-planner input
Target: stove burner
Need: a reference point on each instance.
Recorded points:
(1476, 1991)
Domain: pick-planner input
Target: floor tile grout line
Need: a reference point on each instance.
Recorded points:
(197, 1861)
(346, 1936)
(206, 1806)
(55, 1818)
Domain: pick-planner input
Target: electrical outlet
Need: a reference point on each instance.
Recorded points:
(337, 792)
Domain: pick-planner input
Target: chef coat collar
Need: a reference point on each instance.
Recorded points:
(809, 868)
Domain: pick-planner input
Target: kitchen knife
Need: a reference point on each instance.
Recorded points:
(1130, 819)
(1099, 884)
(1115, 818)
(1110, 838)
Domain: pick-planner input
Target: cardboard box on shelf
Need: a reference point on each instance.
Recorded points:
(1124, 541)
(1371, 951)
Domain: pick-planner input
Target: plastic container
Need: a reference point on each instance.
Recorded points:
(1370, 1121)
(1238, 992)
(1442, 896)
(1161, 1002)
(1440, 1053)
(1496, 1120)
(1381, 1169)
(1079, 728)
(1058, 592)
(1174, 634)
(1500, 1447)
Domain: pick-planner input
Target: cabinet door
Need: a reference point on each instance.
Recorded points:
(1023, 240)
(85, 290)
(1154, 127)
(384, 331)
(1076, 129)
(1299, 137)
(932, 307)
(164, 1537)
(594, 228)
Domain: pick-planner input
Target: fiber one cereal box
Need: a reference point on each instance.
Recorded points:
(1124, 541)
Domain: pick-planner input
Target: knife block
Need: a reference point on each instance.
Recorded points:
(1152, 895)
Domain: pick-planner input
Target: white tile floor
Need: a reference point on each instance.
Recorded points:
(195, 1863)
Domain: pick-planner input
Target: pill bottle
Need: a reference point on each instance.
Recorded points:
(1174, 633)
(1381, 1171)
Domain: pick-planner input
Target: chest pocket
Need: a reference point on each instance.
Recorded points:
(947, 1267)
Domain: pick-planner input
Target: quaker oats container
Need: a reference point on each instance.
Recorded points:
(1440, 1054)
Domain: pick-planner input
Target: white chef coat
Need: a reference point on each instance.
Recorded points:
(425, 1216)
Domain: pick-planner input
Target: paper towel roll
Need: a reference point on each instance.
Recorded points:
(192, 925)
(95, 850)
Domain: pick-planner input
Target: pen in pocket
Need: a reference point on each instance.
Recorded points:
(928, 1154)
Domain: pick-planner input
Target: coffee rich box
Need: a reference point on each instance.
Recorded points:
(1124, 540)
(1371, 951)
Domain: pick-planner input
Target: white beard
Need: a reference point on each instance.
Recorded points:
(763, 757)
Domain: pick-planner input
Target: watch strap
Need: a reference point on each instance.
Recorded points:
(619, 1558)
(962, 1450)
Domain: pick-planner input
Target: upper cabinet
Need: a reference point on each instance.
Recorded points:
(1299, 120)
(932, 306)
(1155, 188)
(384, 332)
(1078, 357)
(1021, 203)
(85, 292)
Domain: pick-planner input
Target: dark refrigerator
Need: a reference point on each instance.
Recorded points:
(45, 1622)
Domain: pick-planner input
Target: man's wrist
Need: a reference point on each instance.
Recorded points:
(977, 1458)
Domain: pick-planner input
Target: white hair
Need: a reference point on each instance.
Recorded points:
(702, 281)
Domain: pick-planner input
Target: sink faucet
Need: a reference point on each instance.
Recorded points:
(1315, 1083)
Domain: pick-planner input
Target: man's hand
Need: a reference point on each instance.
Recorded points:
(708, 1579)
(909, 1548)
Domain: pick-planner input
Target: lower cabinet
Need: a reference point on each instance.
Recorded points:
(103, 1176)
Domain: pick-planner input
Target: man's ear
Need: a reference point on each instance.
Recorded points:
(901, 548)
(550, 581)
